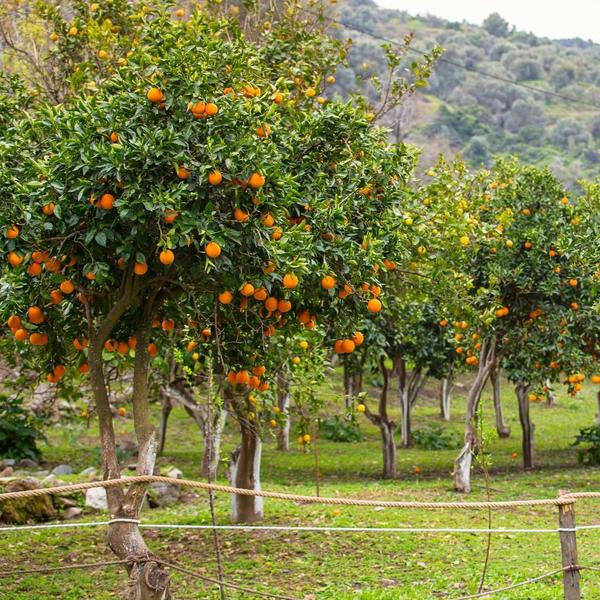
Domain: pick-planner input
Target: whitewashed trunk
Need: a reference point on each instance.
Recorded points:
(212, 445)
(501, 427)
(445, 398)
(405, 425)
(283, 402)
(245, 473)
(527, 426)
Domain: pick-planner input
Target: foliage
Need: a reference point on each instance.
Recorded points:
(589, 438)
(19, 431)
(340, 428)
(434, 437)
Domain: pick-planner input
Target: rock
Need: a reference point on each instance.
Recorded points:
(7, 472)
(7, 462)
(73, 512)
(62, 470)
(23, 510)
(90, 473)
(174, 473)
(96, 498)
(163, 494)
(63, 502)
(26, 463)
(39, 474)
(52, 481)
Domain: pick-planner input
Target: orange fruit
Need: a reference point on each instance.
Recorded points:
(168, 325)
(263, 131)
(183, 173)
(247, 289)
(358, 338)
(56, 296)
(284, 306)
(167, 257)
(573, 282)
(256, 181)
(290, 281)
(38, 339)
(140, 268)
(277, 233)
(269, 330)
(132, 342)
(242, 377)
(212, 249)
(215, 177)
(14, 322)
(260, 294)
(110, 346)
(348, 346)
(153, 350)
(374, 305)
(240, 215)
(34, 269)
(80, 344)
(211, 109)
(122, 348)
(84, 368)
(254, 382)
(12, 232)
(14, 260)
(191, 346)
(107, 201)
(271, 304)
(21, 335)
(206, 332)
(268, 220)
(170, 216)
(595, 378)
(278, 97)
(90, 275)
(259, 371)
(155, 95)
(328, 282)
(225, 297)
(52, 265)
(231, 377)
(48, 209)
(35, 315)
(264, 386)
(67, 287)
(114, 137)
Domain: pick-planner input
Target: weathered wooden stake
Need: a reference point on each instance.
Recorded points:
(568, 547)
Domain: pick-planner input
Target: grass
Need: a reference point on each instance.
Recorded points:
(365, 566)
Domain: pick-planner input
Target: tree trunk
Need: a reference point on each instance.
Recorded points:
(501, 427)
(409, 386)
(527, 426)
(387, 429)
(245, 474)
(167, 407)
(283, 402)
(348, 391)
(445, 397)
(550, 396)
(462, 464)
(147, 579)
(212, 444)
(405, 425)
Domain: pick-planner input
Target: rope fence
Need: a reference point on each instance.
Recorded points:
(565, 502)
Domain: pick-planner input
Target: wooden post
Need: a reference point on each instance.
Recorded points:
(568, 547)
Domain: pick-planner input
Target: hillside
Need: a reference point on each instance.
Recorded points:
(478, 116)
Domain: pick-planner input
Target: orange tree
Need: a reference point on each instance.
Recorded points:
(202, 174)
(533, 294)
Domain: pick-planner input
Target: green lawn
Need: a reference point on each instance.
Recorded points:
(339, 565)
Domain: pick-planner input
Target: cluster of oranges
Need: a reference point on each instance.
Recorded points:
(328, 282)
(347, 346)
(254, 379)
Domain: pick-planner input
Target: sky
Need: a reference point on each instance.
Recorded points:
(549, 18)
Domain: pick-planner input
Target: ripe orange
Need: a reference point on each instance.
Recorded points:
(268, 220)
(231, 377)
(212, 249)
(168, 325)
(260, 294)
(122, 348)
(183, 173)
(90, 275)
(206, 333)
(269, 330)
(225, 297)
(21, 335)
(14, 260)
(14, 322)
(259, 371)
(290, 281)
(170, 216)
(211, 109)
(256, 181)
(167, 257)
(215, 177)
(52, 265)
(278, 97)
(277, 233)
(191, 346)
(328, 282)
(595, 378)
(107, 201)
(348, 346)
(140, 268)
(271, 304)
(84, 368)
(56, 297)
(198, 109)
(38, 339)
(48, 209)
(114, 137)
(35, 315)
(132, 342)
(155, 95)
(34, 269)
(374, 305)
(12, 232)
(80, 344)
(358, 338)
(110, 346)
(242, 377)
(67, 287)
(502, 312)
(284, 306)
(240, 215)
(444, 323)
(573, 282)
(263, 131)
(153, 350)
(247, 289)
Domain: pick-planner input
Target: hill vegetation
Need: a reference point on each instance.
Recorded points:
(463, 110)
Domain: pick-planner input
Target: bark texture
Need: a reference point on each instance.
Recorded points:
(501, 427)
(445, 398)
(527, 427)
(409, 387)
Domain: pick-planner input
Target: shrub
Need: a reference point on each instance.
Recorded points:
(19, 431)
(340, 429)
(589, 438)
(434, 438)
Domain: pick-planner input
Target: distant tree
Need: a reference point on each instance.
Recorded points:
(562, 75)
(526, 69)
(523, 114)
(496, 25)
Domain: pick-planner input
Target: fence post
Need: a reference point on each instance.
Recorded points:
(568, 547)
